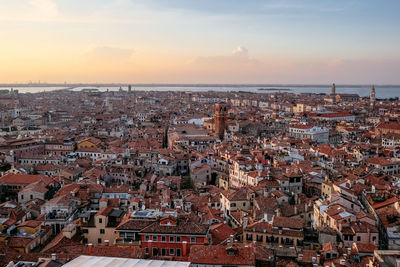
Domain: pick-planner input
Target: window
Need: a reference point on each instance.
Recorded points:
(147, 238)
(155, 251)
(154, 238)
(22, 196)
(102, 231)
(178, 239)
(374, 238)
(193, 240)
(147, 251)
(163, 238)
(178, 252)
(358, 238)
(99, 240)
(100, 220)
(171, 252)
(249, 237)
(163, 252)
(171, 239)
(85, 231)
(328, 255)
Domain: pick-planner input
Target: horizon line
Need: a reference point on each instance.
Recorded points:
(78, 84)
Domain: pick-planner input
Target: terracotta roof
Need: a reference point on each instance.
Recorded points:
(288, 222)
(221, 255)
(134, 224)
(386, 203)
(24, 179)
(30, 223)
(183, 226)
(220, 232)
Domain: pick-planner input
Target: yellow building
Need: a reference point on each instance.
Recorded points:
(101, 226)
(89, 142)
(28, 236)
(236, 200)
(326, 189)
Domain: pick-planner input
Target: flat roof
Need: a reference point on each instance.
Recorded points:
(94, 261)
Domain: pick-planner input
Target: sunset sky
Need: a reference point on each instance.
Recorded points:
(200, 41)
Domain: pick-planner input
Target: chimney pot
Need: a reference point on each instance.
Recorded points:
(184, 248)
(53, 256)
(90, 248)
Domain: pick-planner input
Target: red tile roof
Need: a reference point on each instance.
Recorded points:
(221, 255)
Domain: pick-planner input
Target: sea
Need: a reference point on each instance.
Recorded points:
(363, 91)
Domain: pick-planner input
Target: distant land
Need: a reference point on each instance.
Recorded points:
(16, 85)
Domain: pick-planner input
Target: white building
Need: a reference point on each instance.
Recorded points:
(316, 134)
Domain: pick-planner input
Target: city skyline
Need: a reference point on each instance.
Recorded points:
(292, 42)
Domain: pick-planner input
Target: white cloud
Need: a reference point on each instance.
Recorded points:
(241, 51)
(45, 8)
(239, 56)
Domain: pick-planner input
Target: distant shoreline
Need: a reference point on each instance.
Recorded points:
(18, 85)
(274, 89)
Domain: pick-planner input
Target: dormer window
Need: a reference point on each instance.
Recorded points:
(231, 251)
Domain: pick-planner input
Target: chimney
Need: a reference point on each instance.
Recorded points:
(90, 248)
(150, 242)
(53, 257)
(184, 248)
(245, 222)
(278, 212)
(106, 242)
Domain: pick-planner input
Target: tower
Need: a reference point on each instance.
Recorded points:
(129, 88)
(372, 98)
(333, 92)
(220, 119)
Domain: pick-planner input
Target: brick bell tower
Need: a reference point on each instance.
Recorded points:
(220, 119)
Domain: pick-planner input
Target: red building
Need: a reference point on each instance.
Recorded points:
(170, 236)
(21, 147)
(59, 148)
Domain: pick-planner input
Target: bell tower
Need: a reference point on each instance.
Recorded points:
(372, 98)
(220, 119)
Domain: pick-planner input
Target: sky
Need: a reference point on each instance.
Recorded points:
(200, 41)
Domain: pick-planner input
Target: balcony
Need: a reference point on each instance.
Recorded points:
(127, 242)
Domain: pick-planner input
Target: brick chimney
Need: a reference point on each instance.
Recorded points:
(90, 248)
(184, 248)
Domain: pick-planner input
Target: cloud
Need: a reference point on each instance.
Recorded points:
(45, 8)
(241, 51)
(239, 57)
(107, 54)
